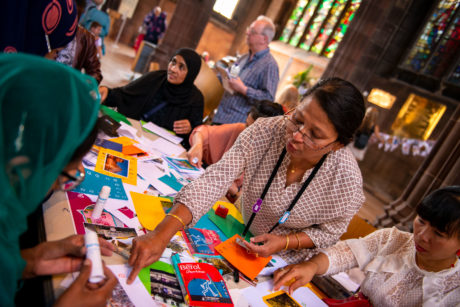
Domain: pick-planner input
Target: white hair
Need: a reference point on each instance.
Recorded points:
(269, 27)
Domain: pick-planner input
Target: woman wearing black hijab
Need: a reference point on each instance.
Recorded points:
(167, 98)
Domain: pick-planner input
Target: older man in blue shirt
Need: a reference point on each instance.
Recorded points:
(257, 78)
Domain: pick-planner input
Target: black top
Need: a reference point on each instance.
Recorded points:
(153, 98)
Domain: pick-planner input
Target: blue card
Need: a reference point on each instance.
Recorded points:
(171, 181)
(112, 145)
(94, 181)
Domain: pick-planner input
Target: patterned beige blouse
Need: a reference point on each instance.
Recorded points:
(322, 212)
(387, 258)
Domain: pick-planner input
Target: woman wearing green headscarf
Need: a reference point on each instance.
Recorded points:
(47, 118)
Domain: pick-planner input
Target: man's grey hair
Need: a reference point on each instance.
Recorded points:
(269, 27)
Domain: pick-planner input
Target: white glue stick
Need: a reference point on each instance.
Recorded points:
(100, 203)
(93, 253)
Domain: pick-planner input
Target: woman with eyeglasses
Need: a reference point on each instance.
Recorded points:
(400, 268)
(301, 184)
(48, 114)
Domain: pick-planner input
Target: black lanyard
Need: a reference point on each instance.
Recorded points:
(256, 207)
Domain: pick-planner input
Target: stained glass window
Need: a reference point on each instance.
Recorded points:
(319, 25)
(439, 43)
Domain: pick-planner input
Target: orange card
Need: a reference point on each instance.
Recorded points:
(246, 263)
(132, 150)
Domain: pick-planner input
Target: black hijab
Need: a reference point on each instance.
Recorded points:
(178, 93)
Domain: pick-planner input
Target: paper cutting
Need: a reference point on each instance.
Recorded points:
(118, 165)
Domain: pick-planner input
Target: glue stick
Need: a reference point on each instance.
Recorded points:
(93, 253)
(101, 200)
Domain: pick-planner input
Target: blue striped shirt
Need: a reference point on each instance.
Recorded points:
(260, 75)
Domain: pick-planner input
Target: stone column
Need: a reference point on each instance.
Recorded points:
(185, 29)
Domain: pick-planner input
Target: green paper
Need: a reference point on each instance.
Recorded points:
(114, 114)
(144, 274)
(229, 225)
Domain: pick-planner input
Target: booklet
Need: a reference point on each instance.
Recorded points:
(201, 242)
(201, 283)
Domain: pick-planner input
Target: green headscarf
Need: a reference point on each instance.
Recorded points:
(46, 111)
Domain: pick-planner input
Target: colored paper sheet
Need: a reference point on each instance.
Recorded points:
(172, 182)
(94, 182)
(246, 263)
(116, 164)
(232, 210)
(132, 150)
(81, 209)
(144, 274)
(149, 210)
(151, 127)
(124, 140)
(112, 145)
(230, 226)
(114, 114)
(205, 223)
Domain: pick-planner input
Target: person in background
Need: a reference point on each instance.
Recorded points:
(368, 129)
(168, 98)
(289, 98)
(48, 116)
(96, 29)
(155, 25)
(94, 13)
(313, 172)
(256, 73)
(209, 143)
(401, 268)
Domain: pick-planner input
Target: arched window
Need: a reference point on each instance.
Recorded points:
(434, 58)
(319, 25)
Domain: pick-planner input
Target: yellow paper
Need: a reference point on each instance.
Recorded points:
(148, 209)
(124, 140)
(232, 210)
(116, 164)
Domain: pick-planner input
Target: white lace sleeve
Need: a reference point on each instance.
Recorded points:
(356, 252)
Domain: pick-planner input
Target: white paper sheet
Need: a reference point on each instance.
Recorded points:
(127, 130)
(276, 263)
(136, 291)
(303, 295)
(162, 132)
(168, 148)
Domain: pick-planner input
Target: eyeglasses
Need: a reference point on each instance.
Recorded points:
(293, 128)
(73, 181)
(251, 31)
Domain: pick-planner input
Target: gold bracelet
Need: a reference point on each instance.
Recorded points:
(287, 243)
(298, 241)
(177, 218)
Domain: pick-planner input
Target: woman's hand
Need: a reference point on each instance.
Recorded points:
(104, 91)
(182, 126)
(294, 275)
(271, 244)
(56, 257)
(146, 250)
(82, 293)
(195, 155)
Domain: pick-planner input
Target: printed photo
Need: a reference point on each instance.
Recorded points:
(112, 232)
(280, 299)
(166, 286)
(116, 165)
